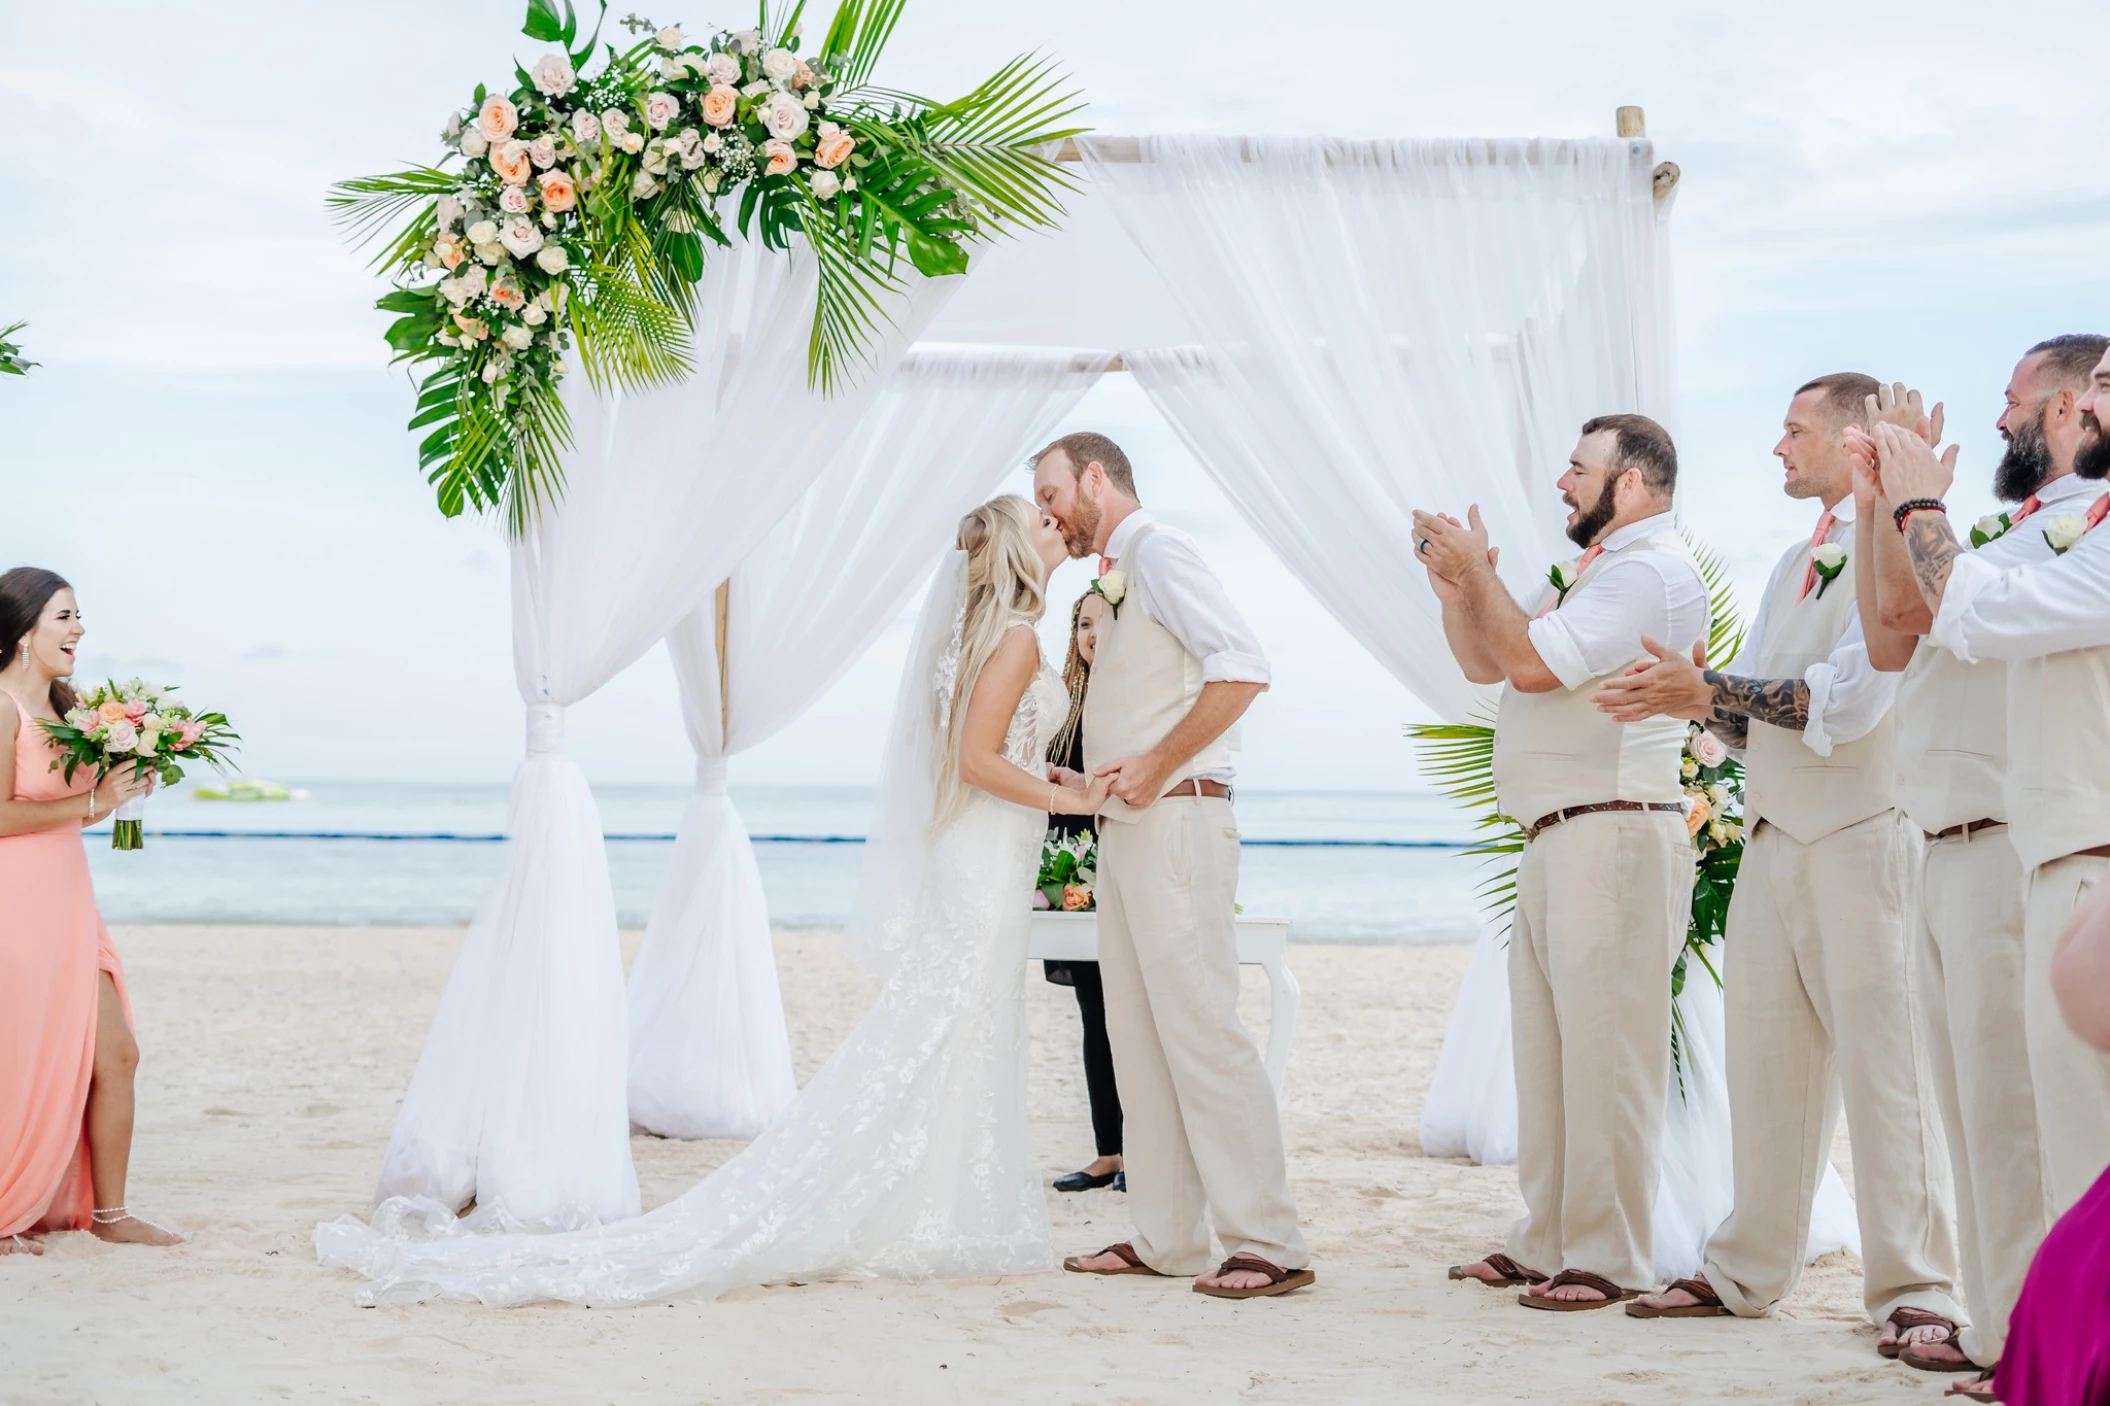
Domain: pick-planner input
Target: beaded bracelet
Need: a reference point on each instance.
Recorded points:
(1912, 505)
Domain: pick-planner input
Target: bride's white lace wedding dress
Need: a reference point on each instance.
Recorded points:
(908, 1156)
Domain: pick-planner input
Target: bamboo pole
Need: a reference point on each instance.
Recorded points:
(725, 673)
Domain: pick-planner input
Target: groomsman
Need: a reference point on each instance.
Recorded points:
(2051, 621)
(1952, 765)
(1818, 964)
(1604, 888)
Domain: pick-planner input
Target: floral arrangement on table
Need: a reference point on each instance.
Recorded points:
(139, 725)
(11, 362)
(582, 210)
(1460, 759)
(1069, 866)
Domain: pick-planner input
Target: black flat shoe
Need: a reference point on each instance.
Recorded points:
(1085, 1181)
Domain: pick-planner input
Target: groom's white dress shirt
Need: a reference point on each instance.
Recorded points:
(1646, 592)
(1177, 589)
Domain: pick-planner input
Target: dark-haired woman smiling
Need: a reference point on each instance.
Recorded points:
(66, 1050)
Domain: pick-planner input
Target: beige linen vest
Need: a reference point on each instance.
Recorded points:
(1143, 682)
(2058, 791)
(1557, 749)
(1786, 783)
(1951, 740)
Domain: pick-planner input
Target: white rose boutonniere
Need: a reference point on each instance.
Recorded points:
(1990, 528)
(1830, 560)
(2062, 532)
(1564, 575)
(1113, 589)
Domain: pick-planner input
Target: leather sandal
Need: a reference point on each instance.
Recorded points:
(1582, 1278)
(1512, 1273)
(1905, 1320)
(1279, 1280)
(1131, 1262)
(1979, 1390)
(1710, 1303)
(1910, 1355)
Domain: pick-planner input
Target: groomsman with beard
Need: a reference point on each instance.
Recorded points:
(2050, 620)
(1818, 963)
(1952, 766)
(1604, 887)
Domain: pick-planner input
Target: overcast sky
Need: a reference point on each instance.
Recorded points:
(213, 450)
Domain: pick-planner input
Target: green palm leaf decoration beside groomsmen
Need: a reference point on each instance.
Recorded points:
(1459, 759)
(11, 362)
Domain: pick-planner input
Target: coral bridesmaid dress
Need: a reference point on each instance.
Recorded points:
(52, 945)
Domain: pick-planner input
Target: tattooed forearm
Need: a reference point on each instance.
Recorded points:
(1734, 729)
(1781, 702)
(1932, 544)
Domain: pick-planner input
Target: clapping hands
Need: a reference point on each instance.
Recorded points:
(1451, 549)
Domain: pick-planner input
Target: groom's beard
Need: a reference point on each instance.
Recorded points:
(1583, 531)
(2092, 460)
(2026, 465)
(1082, 527)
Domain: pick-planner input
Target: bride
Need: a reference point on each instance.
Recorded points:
(908, 1155)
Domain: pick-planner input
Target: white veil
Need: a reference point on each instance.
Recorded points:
(897, 844)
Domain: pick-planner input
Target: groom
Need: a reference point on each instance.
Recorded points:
(1176, 667)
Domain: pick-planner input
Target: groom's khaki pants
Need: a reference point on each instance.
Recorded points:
(1201, 1137)
(1970, 991)
(1818, 994)
(2072, 1078)
(1602, 906)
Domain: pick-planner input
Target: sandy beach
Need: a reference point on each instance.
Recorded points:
(274, 1059)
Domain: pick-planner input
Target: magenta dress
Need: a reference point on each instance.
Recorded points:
(53, 948)
(2058, 1339)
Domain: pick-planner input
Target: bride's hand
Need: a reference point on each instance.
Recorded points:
(121, 784)
(1064, 776)
(1096, 793)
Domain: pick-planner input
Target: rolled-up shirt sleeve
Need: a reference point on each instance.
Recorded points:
(2047, 607)
(1180, 592)
(1599, 630)
(1848, 694)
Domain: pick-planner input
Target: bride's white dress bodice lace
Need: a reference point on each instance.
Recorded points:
(908, 1156)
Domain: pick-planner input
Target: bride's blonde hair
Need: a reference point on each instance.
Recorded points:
(1003, 589)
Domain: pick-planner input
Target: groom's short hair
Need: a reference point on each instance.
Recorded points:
(1089, 446)
(1640, 443)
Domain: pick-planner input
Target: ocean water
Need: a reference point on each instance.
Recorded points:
(411, 853)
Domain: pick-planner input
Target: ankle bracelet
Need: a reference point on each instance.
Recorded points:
(111, 1216)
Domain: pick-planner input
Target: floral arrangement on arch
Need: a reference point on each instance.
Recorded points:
(574, 213)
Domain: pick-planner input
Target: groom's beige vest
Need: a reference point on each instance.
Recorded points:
(1558, 749)
(1785, 783)
(1143, 682)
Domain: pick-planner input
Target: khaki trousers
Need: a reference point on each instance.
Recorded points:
(1970, 992)
(1818, 994)
(1602, 907)
(2072, 1078)
(1201, 1136)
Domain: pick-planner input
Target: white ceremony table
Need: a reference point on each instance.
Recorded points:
(1262, 942)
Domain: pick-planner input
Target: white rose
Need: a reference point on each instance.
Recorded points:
(615, 122)
(585, 127)
(780, 64)
(1829, 555)
(149, 739)
(723, 68)
(660, 109)
(711, 142)
(748, 40)
(826, 185)
(2062, 532)
(551, 258)
(473, 282)
(473, 144)
(813, 102)
(1564, 573)
(448, 211)
(513, 200)
(669, 38)
(453, 129)
(642, 186)
(491, 372)
(785, 117)
(482, 232)
(520, 237)
(1114, 586)
(1989, 526)
(1709, 749)
(553, 75)
(672, 70)
(655, 161)
(633, 143)
(518, 338)
(849, 182)
(493, 253)
(532, 314)
(711, 182)
(543, 152)
(122, 737)
(757, 88)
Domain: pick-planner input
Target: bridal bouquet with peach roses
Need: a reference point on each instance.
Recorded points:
(139, 725)
(574, 213)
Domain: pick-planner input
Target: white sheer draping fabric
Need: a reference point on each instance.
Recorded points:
(518, 1098)
(1385, 326)
(709, 1056)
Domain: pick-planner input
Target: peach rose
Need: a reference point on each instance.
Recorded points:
(510, 161)
(720, 104)
(111, 711)
(449, 249)
(509, 297)
(1699, 815)
(833, 148)
(497, 118)
(558, 192)
(780, 157)
(1075, 898)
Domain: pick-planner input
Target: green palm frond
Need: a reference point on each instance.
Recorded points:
(11, 362)
(991, 145)
(367, 205)
(857, 37)
(1725, 629)
(1459, 760)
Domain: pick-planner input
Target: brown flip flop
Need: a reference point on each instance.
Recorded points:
(1512, 1273)
(1905, 1320)
(1279, 1281)
(1909, 1355)
(1131, 1262)
(1585, 1279)
(1710, 1303)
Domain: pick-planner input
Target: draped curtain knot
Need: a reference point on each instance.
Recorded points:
(710, 776)
(545, 729)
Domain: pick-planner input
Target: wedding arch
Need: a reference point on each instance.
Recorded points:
(1339, 330)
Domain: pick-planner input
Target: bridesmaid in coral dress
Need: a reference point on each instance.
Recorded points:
(66, 1050)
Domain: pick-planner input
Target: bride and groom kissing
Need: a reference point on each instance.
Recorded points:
(908, 1155)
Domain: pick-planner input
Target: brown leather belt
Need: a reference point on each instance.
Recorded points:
(1193, 786)
(1967, 829)
(1547, 822)
(2099, 852)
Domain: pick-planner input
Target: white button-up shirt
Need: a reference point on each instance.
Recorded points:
(1648, 592)
(1848, 694)
(1179, 591)
(2026, 602)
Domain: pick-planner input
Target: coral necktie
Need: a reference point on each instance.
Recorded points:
(1817, 539)
(2029, 505)
(1106, 564)
(1582, 564)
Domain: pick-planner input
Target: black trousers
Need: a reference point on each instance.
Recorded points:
(1098, 1054)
